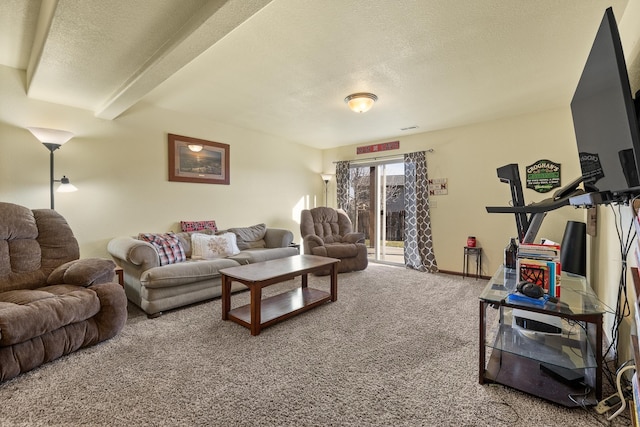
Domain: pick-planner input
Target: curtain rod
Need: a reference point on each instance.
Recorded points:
(430, 150)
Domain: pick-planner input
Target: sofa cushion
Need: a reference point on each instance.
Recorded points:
(210, 247)
(250, 237)
(25, 314)
(337, 250)
(198, 225)
(251, 256)
(185, 272)
(167, 245)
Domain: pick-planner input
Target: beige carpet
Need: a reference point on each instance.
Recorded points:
(398, 348)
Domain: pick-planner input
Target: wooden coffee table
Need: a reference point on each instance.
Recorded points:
(262, 313)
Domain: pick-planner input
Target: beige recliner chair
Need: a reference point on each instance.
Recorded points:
(328, 232)
(51, 302)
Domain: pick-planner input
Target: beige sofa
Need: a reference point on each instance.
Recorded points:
(155, 288)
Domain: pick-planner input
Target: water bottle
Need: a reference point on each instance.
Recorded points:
(510, 254)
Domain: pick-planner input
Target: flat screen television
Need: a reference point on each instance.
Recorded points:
(605, 118)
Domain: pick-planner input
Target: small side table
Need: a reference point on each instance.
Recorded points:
(477, 251)
(295, 245)
(120, 276)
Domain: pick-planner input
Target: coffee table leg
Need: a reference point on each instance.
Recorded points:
(304, 280)
(334, 281)
(226, 297)
(256, 298)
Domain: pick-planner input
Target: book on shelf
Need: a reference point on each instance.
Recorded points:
(540, 264)
(527, 250)
(541, 272)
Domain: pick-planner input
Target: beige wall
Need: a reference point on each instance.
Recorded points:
(468, 157)
(120, 168)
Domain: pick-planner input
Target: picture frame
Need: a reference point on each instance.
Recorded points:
(198, 160)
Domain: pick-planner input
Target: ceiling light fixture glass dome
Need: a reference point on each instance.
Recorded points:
(361, 102)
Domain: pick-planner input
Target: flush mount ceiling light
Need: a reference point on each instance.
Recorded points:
(361, 102)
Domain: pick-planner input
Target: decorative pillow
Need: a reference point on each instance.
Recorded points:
(250, 237)
(217, 246)
(168, 245)
(198, 225)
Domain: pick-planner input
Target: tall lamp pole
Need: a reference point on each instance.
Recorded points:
(326, 178)
(51, 147)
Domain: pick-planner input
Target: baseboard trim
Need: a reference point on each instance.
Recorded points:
(457, 273)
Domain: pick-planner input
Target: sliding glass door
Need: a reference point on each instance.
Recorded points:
(376, 208)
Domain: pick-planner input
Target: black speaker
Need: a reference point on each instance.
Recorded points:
(573, 252)
(628, 163)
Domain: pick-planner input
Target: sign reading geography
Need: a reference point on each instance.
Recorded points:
(543, 176)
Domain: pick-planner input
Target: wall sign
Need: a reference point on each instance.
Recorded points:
(394, 145)
(438, 187)
(543, 176)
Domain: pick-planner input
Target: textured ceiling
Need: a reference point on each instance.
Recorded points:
(284, 67)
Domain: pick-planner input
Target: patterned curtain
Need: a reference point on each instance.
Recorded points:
(418, 242)
(342, 185)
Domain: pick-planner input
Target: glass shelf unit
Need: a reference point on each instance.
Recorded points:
(568, 350)
(512, 356)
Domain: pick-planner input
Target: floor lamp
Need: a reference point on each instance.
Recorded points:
(326, 178)
(53, 139)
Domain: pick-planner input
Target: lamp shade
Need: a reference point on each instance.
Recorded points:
(195, 147)
(326, 177)
(66, 186)
(361, 102)
(51, 136)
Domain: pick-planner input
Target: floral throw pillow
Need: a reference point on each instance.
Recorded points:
(205, 246)
(167, 245)
(198, 225)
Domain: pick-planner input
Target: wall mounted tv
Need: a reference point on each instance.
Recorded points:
(605, 119)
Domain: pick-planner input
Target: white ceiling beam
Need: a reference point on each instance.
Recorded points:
(216, 20)
(45, 18)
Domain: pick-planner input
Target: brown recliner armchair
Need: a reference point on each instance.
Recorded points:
(51, 302)
(328, 232)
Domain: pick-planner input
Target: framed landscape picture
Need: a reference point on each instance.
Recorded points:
(198, 160)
